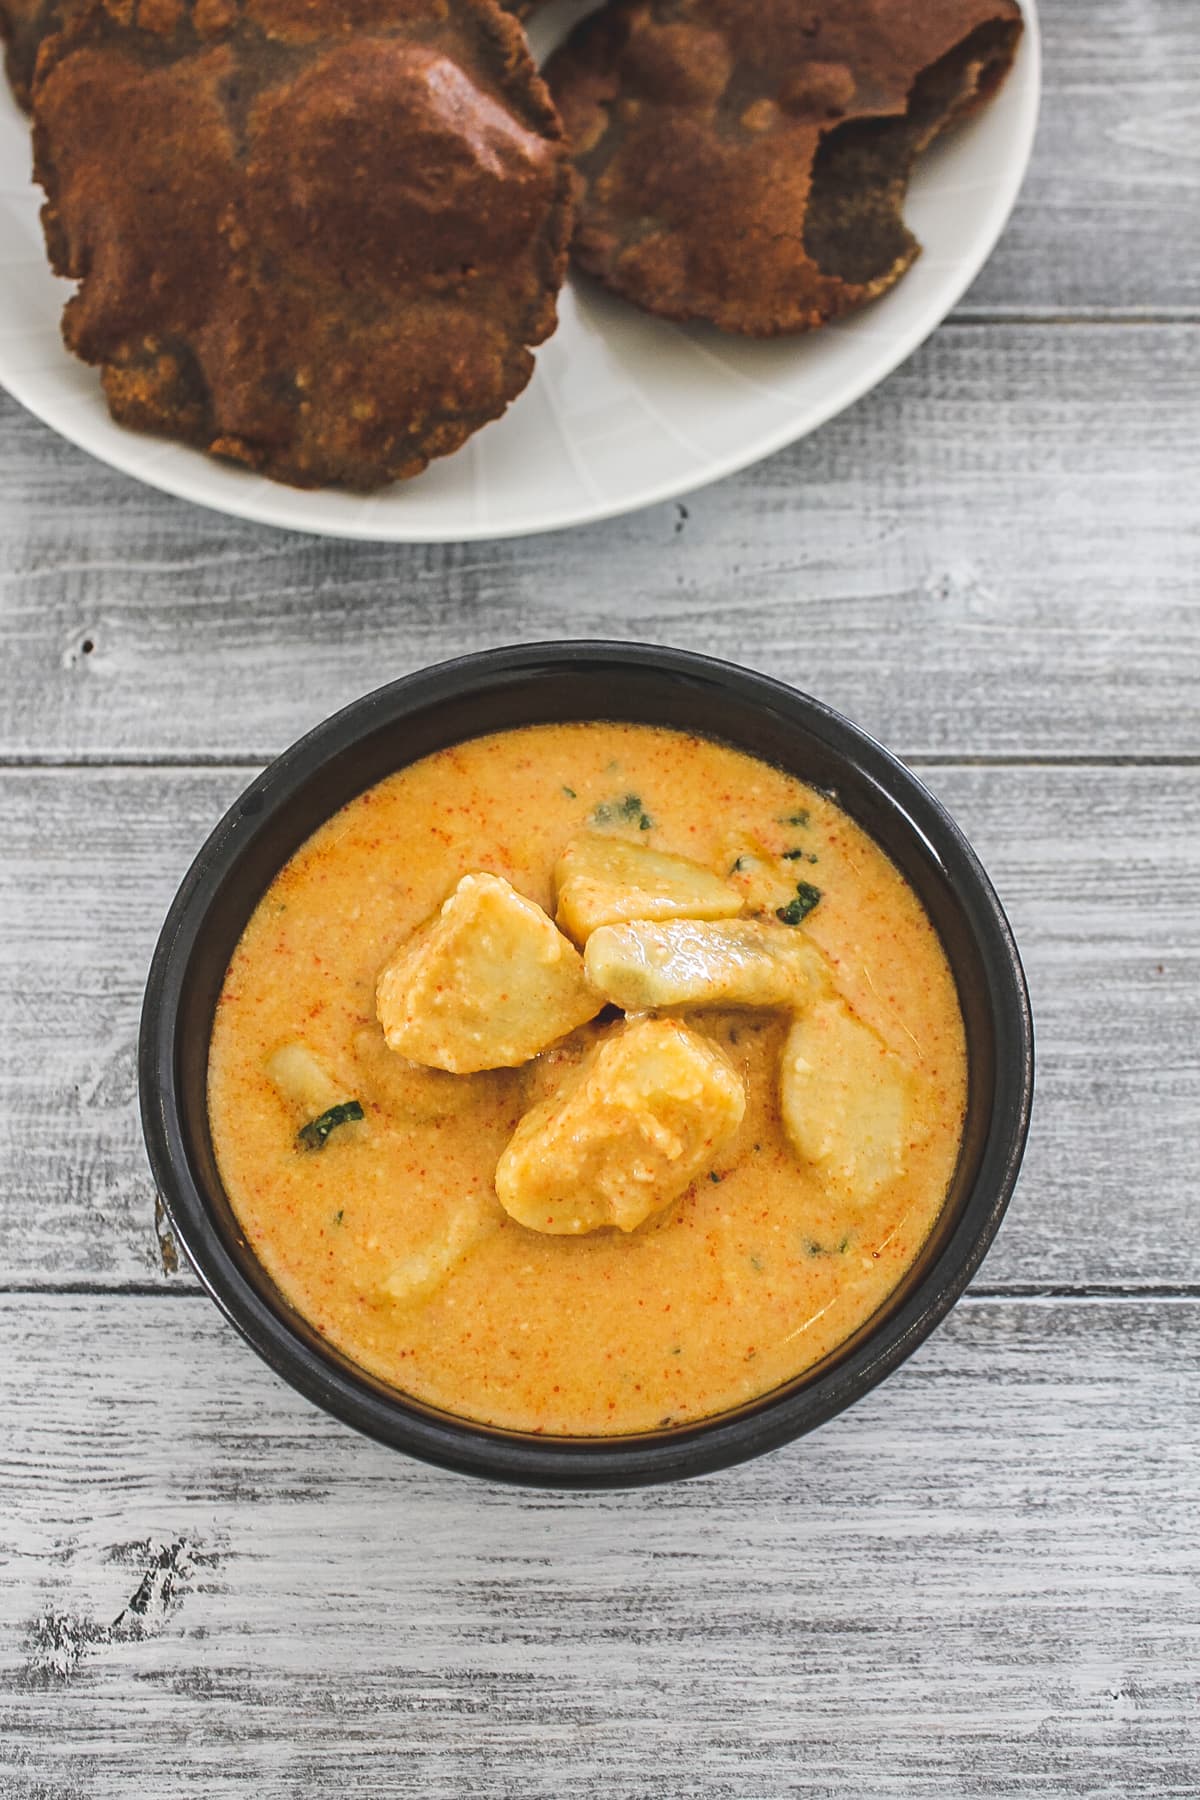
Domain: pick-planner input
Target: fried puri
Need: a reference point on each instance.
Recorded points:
(747, 163)
(318, 241)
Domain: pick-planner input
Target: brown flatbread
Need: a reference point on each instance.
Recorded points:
(318, 241)
(746, 161)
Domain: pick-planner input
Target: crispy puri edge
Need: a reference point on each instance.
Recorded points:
(45, 172)
(362, 476)
(356, 478)
(20, 64)
(524, 89)
(16, 63)
(591, 83)
(994, 72)
(52, 51)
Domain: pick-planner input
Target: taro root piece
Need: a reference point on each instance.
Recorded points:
(318, 241)
(487, 983)
(650, 964)
(848, 1103)
(600, 880)
(643, 1116)
(747, 163)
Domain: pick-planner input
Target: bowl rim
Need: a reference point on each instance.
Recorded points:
(330, 1379)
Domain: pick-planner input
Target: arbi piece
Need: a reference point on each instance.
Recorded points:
(848, 1102)
(643, 1116)
(321, 1105)
(486, 984)
(604, 881)
(418, 1276)
(731, 962)
(302, 1079)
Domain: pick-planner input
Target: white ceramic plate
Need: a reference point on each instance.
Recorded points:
(623, 411)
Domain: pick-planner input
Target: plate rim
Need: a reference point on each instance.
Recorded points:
(880, 360)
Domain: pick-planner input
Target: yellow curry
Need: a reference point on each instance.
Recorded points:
(587, 1078)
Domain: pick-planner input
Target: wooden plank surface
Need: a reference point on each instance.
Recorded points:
(1099, 867)
(984, 1579)
(1109, 217)
(993, 554)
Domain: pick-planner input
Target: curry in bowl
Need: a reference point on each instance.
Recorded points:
(587, 1079)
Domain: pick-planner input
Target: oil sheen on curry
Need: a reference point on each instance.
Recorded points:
(588, 1078)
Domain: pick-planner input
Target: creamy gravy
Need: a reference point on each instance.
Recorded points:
(757, 1272)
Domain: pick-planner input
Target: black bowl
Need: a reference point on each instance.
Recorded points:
(536, 684)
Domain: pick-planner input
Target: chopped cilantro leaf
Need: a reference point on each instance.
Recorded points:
(313, 1135)
(628, 810)
(807, 896)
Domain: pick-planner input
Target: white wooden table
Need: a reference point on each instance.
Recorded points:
(985, 1579)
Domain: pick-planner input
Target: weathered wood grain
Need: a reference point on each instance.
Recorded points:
(1100, 869)
(984, 1580)
(1109, 217)
(994, 553)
